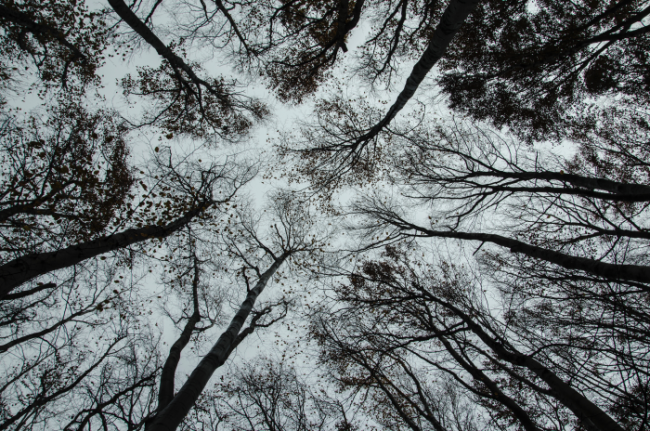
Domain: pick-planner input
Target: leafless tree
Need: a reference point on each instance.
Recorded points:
(269, 396)
(74, 358)
(291, 235)
(183, 192)
(401, 312)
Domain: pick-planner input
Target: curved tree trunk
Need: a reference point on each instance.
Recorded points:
(23, 269)
(173, 414)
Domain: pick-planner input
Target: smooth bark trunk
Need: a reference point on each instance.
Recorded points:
(586, 186)
(166, 393)
(499, 395)
(171, 417)
(589, 414)
(23, 269)
(451, 21)
(636, 273)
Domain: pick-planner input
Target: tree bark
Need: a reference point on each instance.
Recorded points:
(170, 418)
(589, 414)
(25, 268)
(451, 21)
(166, 393)
(637, 273)
(585, 185)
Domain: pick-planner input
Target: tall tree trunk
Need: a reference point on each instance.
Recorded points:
(478, 375)
(582, 186)
(634, 273)
(170, 418)
(451, 21)
(591, 416)
(166, 393)
(132, 20)
(23, 269)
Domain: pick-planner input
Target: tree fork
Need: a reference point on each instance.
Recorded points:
(173, 414)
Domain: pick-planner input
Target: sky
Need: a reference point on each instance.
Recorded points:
(284, 338)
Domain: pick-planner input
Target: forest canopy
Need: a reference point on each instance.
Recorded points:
(325, 215)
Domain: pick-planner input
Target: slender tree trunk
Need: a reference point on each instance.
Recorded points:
(23, 269)
(591, 416)
(451, 21)
(637, 273)
(170, 418)
(166, 393)
(499, 395)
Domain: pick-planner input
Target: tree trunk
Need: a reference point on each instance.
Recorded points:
(636, 273)
(451, 21)
(166, 393)
(591, 416)
(478, 375)
(23, 269)
(171, 417)
(585, 185)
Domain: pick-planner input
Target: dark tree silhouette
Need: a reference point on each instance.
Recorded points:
(532, 68)
(289, 239)
(65, 53)
(399, 312)
(187, 103)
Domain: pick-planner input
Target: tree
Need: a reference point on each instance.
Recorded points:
(290, 236)
(573, 213)
(76, 357)
(168, 375)
(345, 142)
(268, 395)
(66, 178)
(184, 193)
(187, 104)
(400, 312)
(64, 40)
(533, 68)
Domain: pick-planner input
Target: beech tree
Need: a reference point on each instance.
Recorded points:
(531, 68)
(344, 142)
(401, 312)
(291, 235)
(183, 193)
(544, 191)
(271, 396)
